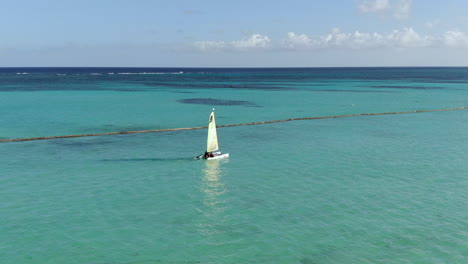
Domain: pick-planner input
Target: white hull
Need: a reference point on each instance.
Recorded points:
(217, 156)
(222, 156)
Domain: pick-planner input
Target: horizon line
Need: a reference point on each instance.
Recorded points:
(232, 67)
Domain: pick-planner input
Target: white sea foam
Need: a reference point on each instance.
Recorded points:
(22, 73)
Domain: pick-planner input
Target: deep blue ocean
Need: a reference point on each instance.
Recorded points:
(364, 189)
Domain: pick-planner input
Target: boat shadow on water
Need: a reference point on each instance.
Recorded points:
(147, 159)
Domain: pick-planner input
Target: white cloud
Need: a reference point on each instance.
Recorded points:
(405, 38)
(400, 9)
(373, 6)
(408, 38)
(295, 41)
(455, 39)
(254, 41)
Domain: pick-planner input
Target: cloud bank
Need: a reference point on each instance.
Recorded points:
(405, 38)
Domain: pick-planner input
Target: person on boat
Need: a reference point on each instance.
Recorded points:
(207, 155)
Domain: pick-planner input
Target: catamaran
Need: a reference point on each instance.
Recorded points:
(212, 142)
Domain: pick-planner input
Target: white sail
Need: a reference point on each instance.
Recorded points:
(212, 142)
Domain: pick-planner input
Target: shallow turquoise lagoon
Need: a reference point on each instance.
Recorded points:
(368, 189)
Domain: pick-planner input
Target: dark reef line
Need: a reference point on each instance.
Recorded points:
(232, 125)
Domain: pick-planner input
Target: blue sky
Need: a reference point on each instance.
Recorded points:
(255, 33)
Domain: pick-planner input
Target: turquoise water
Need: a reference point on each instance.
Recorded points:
(369, 189)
